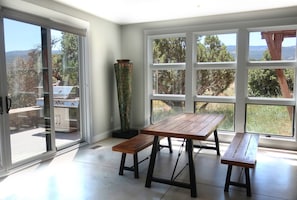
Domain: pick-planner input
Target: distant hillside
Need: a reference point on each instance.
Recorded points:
(256, 52)
(11, 55)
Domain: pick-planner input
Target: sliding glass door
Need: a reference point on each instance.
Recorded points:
(66, 91)
(39, 93)
(25, 78)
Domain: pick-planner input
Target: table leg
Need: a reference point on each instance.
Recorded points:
(152, 162)
(189, 146)
(217, 144)
(217, 141)
(169, 144)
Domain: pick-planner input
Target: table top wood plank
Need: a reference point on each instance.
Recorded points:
(188, 126)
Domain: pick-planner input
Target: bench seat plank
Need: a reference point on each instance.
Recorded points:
(134, 144)
(242, 151)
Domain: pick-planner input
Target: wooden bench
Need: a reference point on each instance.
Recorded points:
(242, 152)
(133, 146)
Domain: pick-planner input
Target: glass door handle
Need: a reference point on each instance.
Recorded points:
(1, 106)
(8, 104)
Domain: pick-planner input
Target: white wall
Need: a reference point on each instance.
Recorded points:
(105, 48)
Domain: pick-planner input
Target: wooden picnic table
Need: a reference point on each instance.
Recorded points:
(189, 127)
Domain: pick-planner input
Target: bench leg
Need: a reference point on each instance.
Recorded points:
(248, 182)
(228, 177)
(135, 158)
(121, 172)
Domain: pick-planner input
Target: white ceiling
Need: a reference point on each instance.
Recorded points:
(136, 11)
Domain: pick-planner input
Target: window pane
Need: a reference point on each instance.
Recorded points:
(24, 77)
(272, 45)
(219, 82)
(169, 50)
(65, 66)
(219, 108)
(168, 81)
(216, 48)
(162, 109)
(271, 83)
(270, 119)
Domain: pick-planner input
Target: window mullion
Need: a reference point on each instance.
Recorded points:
(48, 91)
(241, 79)
(190, 74)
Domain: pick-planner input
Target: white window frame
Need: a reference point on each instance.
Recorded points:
(214, 66)
(274, 64)
(160, 66)
(241, 65)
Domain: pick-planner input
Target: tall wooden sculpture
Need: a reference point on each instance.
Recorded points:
(123, 71)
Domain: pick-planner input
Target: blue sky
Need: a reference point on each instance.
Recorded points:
(23, 36)
(255, 40)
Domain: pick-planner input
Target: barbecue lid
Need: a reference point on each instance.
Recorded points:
(63, 92)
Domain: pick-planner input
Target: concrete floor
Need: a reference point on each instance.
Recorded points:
(91, 173)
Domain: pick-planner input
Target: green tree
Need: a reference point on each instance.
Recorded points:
(70, 51)
(23, 80)
(213, 82)
(169, 50)
(264, 82)
(65, 64)
(173, 50)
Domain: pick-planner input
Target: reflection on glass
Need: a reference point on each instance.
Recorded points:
(24, 74)
(162, 109)
(65, 66)
(270, 119)
(218, 108)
